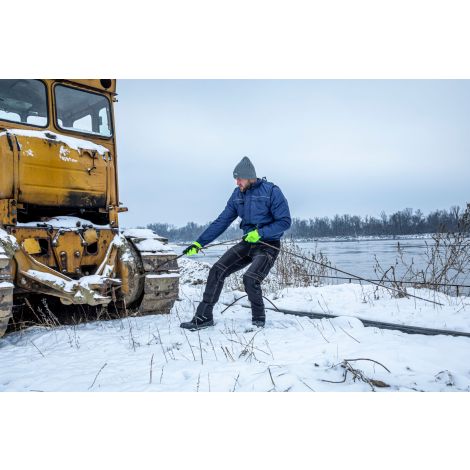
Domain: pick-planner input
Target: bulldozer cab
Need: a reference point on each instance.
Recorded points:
(83, 110)
(58, 149)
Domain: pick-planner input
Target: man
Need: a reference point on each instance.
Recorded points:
(265, 217)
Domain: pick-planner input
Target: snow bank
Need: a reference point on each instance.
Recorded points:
(193, 272)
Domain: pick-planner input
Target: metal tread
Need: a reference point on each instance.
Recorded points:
(161, 279)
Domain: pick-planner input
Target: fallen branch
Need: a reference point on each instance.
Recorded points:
(358, 374)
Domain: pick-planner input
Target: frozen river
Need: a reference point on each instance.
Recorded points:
(356, 256)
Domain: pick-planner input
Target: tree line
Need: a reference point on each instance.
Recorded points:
(403, 222)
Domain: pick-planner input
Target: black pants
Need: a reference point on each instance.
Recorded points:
(262, 259)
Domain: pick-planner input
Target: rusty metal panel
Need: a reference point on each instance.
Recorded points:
(31, 246)
(54, 173)
(8, 212)
(68, 242)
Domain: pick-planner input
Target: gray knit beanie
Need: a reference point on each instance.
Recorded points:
(244, 169)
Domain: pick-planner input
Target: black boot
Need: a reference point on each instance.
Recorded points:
(258, 320)
(198, 323)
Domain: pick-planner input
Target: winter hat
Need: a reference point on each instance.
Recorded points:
(244, 169)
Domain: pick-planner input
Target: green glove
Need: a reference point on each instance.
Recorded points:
(192, 249)
(252, 237)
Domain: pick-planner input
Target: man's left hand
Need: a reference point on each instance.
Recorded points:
(252, 237)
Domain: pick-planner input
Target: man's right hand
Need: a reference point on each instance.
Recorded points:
(192, 249)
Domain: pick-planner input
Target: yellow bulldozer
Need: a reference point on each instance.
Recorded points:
(59, 205)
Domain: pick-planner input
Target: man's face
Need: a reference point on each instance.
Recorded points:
(243, 183)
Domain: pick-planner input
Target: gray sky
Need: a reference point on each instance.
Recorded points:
(332, 146)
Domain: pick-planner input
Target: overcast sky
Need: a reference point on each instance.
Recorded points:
(332, 146)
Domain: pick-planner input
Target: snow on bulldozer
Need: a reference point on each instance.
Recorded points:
(59, 206)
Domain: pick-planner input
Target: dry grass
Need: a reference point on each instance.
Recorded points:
(289, 270)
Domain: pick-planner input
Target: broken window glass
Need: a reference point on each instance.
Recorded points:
(23, 101)
(83, 111)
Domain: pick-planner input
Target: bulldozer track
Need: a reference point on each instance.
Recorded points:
(158, 279)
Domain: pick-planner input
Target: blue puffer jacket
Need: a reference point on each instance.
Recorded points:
(263, 206)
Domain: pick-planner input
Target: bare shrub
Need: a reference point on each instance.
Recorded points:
(446, 262)
(291, 271)
(389, 277)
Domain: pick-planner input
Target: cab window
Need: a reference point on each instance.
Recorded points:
(82, 111)
(23, 101)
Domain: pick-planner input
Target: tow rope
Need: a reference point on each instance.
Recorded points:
(359, 278)
(355, 276)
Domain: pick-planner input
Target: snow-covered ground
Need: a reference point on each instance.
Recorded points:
(291, 354)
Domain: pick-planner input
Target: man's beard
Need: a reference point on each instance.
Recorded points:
(248, 186)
